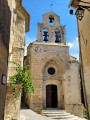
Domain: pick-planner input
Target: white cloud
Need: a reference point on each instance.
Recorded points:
(76, 38)
(74, 44)
(28, 40)
(70, 44)
(25, 51)
(74, 48)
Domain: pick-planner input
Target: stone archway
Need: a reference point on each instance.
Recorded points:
(51, 96)
(53, 77)
(59, 92)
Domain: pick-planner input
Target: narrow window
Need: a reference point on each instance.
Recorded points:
(57, 36)
(51, 20)
(45, 35)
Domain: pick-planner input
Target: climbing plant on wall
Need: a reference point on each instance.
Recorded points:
(22, 77)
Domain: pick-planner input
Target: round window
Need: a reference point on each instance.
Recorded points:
(51, 70)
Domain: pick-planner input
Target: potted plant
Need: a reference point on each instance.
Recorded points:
(40, 111)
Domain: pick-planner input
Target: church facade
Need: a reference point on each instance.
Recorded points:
(54, 72)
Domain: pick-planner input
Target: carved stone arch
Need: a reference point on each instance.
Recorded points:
(46, 27)
(55, 79)
(60, 101)
(54, 60)
(57, 28)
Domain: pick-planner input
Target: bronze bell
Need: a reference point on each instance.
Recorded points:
(57, 35)
(57, 40)
(46, 36)
(51, 20)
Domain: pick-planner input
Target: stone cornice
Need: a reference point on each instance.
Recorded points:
(49, 44)
(25, 13)
(73, 4)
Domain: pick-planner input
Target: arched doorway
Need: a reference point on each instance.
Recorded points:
(51, 96)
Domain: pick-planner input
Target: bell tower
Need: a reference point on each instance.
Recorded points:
(50, 30)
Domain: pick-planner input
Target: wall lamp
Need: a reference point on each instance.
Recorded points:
(80, 10)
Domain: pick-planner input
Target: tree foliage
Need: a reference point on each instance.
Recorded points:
(22, 77)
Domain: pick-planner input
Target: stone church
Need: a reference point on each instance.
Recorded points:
(54, 72)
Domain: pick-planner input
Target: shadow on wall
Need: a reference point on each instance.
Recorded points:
(5, 18)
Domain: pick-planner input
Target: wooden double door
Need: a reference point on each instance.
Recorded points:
(51, 96)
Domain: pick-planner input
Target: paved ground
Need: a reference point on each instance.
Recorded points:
(27, 114)
(30, 115)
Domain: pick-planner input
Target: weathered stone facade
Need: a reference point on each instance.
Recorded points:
(54, 72)
(84, 45)
(13, 103)
(4, 50)
(20, 19)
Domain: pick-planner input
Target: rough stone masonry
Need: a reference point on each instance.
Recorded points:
(53, 70)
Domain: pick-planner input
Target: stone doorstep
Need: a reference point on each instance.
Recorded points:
(60, 114)
(57, 114)
(52, 112)
(65, 118)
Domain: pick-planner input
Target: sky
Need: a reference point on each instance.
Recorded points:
(36, 8)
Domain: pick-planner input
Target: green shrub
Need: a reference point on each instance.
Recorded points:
(22, 77)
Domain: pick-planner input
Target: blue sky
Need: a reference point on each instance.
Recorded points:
(36, 8)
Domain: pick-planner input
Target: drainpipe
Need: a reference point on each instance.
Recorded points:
(82, 75)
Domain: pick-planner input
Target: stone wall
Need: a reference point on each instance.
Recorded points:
(5, 17)
(84, 34)
(40, 57)
(20, 19)
(37, 54)
(13, 103)
(84, 44)
(72, 90)
(18, 46)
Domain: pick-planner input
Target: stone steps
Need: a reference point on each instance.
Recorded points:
(60, 115)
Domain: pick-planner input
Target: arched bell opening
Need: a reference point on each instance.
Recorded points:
(45, 35)
(57, 36)
(51, 20)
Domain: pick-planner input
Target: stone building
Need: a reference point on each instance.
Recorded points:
(20, 21)
(53, 70)
(84, 46)
(4, 51)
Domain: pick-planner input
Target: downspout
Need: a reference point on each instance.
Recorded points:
(82, 75)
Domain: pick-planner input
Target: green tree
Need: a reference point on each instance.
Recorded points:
(22, 77)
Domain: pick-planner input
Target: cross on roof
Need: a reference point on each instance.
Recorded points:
(51, 6)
